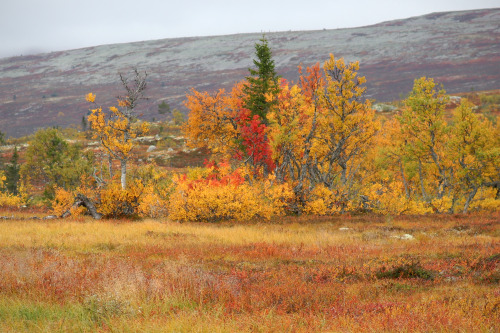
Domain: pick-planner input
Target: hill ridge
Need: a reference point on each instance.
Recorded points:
(459, 49)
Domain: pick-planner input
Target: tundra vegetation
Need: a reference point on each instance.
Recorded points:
(356, 273)
(329, 216)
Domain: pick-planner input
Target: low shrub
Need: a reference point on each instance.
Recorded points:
(406, 270)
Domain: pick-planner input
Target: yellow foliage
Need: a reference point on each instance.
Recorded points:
(488, 204)
(486, 200)
(9, 200)
(146, 196)
(63, 200)
(204, 199)
(211, 121)
(116, 131)
(116, 201)
(322, 201)
(203, 202)
(156, 189)
(152, 204)
(277, 196)
(198, 173)
(390, 199)
(442, 205)
(90, 97)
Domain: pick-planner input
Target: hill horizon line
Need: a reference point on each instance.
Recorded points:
(235, 34)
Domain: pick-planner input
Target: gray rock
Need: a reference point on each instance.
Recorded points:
(405, 236)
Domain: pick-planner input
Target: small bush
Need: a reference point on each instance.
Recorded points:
(407, 270)
(219, 193)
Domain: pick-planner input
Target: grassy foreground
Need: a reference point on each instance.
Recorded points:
(346, 273)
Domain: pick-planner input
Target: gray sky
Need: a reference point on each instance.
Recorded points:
(35, 26)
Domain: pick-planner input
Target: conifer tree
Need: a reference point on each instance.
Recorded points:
(164, 108)
(12, 173)
(84, 124)
(263, 80)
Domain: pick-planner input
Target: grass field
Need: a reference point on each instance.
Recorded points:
(297, 274)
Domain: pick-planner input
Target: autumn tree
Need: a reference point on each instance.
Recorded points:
(393, 177)
(474, 150)
(212, 120)
(320, 130)
(426, 133)
(116, 129)
(347, 121)
(262, 81)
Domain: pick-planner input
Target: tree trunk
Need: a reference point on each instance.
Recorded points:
(123, 164)
(469, 199)
(407, 191)
(81, 200)
(343, 176)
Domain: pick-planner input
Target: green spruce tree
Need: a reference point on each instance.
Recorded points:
(12, 174)
(263, 80)
(84, 124)
(164, 108)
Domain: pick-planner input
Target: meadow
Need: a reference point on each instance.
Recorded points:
(347, 273)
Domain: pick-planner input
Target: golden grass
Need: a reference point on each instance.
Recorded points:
(86, 233)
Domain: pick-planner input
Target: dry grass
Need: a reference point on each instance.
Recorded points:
(303, 274)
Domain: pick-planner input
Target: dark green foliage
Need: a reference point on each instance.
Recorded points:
(263, 80)
(2, 138)
(12, 174)
(409, 270)
(164, 108)
(84, 124)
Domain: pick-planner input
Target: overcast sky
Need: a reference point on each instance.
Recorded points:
(35, 26)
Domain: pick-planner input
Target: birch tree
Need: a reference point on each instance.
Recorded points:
(116, 129)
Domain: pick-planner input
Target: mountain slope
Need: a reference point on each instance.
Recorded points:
(459, 49)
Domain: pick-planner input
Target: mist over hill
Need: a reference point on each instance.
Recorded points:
(461, 50)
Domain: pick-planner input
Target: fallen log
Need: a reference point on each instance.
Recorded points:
(82, 200)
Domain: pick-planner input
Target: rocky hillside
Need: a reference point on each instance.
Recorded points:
(459, 49)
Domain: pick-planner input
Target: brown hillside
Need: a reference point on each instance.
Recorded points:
(459, 49)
